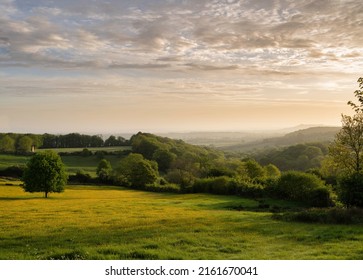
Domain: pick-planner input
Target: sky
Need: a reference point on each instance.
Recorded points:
(177, 65)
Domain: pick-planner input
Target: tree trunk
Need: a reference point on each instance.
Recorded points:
(46, 194)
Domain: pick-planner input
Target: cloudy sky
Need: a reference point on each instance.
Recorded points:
(177, 65)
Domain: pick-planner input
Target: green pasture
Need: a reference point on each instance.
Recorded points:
(101, 222)
(95, 149)
(72, 163)
(12, 160)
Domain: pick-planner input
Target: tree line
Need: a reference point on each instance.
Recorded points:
(22, 143)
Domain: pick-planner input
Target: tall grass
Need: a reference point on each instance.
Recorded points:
(89, 222)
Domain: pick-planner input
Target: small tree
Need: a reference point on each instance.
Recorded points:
(104, 170)
(347, 153)
(254, 169)
(271, 170)
(7, 144)
(164, 159)
(45, 172)
(137, 172)
(24, 144)
(347, 149)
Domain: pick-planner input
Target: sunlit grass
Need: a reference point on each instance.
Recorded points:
(88, 222)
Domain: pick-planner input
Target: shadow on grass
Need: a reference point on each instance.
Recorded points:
(19, 198)
(10, 198)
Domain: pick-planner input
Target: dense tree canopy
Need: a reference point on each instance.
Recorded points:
(45, 172)
(7, 144)
(24, 144)
(297, 157)
(136, 171)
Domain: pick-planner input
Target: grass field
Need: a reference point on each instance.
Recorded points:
(72, 163)
(89, 222)
(72, 150)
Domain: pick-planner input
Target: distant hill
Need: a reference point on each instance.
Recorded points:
(312, 134)
(308, 135)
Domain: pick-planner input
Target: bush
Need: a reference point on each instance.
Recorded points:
(321, 197)
(86, 153)
(324, 216)
(181, 177)
(250, 189)
(218, 185)
(350, 190)
(13, 171)
(173, 188)
(138, 171)
(104, 171)
(304, 187)
(80, 178)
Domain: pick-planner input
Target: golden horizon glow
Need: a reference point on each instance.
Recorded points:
(164, 65)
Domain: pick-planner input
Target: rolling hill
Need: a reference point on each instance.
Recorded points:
(308, 135)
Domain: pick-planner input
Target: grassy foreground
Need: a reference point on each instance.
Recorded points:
(89, 222)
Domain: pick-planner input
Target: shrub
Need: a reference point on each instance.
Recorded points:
(218, 185)
(324, 216)
(104, 171)
(254, 169)
(304, 187)
(137, 171)
(181, 177)
(86, 153)
(173, 188)
(80, 178)
(13, 171)
(321, 197)
(350, 190)
(250, 189)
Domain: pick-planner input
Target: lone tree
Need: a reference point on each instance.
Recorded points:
(104, 170)
(45, 172)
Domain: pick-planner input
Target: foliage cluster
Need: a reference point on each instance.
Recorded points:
(304, 187)
(350, 189)
(299, 157)
(13, 143)
(324, 216)
(14, 171)
(45, 172)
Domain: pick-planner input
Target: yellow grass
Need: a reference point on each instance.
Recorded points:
(88, 222)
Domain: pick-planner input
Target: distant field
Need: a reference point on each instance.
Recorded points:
(71, 150)
(88, 222)
(73, 163)
(10, 160)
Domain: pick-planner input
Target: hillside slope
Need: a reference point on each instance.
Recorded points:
(309, 135)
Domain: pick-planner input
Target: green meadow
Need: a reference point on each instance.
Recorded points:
(102, 222)
(73, 163)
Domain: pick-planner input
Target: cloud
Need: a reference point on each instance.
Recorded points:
(181, 35)
(203, 67)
